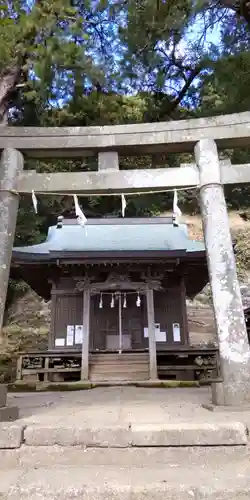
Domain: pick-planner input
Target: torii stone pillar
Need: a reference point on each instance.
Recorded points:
(10, 166)
(227, 303)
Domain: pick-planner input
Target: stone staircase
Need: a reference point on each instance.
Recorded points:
(68, 473)
(121, 443)
(119, 367)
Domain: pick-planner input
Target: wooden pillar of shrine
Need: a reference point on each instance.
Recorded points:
(151, 335)
(85, 343)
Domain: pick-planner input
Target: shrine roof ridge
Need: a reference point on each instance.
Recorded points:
(120, 220)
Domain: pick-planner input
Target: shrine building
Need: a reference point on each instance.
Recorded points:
(118, 289)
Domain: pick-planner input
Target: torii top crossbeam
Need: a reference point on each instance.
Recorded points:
(174, 136)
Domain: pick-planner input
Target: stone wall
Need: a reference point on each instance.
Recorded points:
(201, 324)
(29, 311)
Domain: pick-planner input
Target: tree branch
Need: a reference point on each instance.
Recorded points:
(241, 7)
(8, 82)
(173, 104)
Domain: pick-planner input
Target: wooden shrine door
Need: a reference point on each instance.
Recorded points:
(104, 324)
(116, 328)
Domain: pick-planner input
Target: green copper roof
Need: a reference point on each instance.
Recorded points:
(111, 235)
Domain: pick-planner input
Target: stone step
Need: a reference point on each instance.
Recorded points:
(134, 474)
(127, 435)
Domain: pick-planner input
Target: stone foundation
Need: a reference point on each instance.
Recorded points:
(232, 391)
(7, 413)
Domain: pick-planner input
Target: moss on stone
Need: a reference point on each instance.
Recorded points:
(22, 387)
(169, 384)
(64, 386)
(80, 386)
(48, 386)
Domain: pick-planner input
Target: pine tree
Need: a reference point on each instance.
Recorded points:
(43, 44)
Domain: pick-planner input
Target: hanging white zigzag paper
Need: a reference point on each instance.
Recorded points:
(101, 302)
(34, 201)
(124, 204)
(176, 210)
(81, 219)
(124, 301)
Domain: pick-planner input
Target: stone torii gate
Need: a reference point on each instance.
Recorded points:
(202, 136)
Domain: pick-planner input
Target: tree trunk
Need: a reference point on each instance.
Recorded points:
(8, 81)
(244, 10)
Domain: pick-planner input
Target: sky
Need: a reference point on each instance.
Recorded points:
(194, 36)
